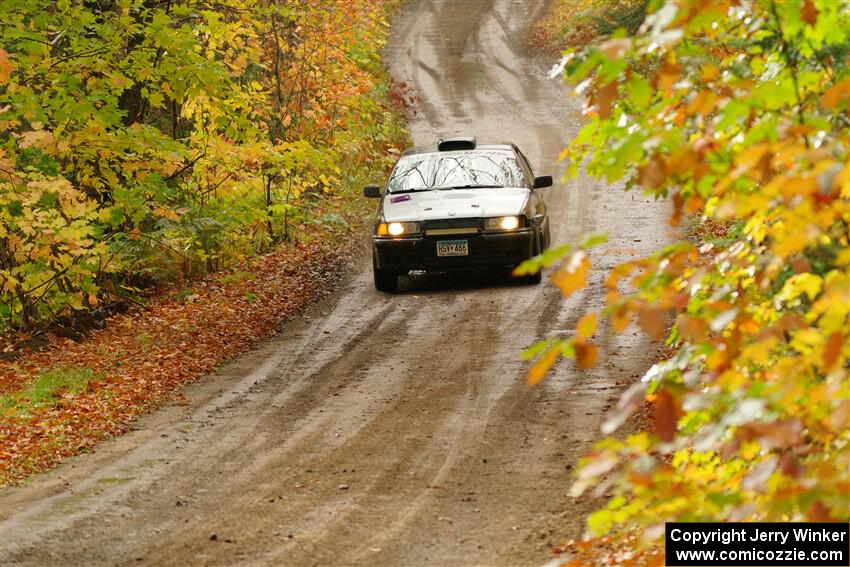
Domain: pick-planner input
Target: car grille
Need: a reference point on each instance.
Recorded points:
(452, 227)
(458, 230)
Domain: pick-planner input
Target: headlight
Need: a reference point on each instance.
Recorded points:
(398, 228)
(503, 223)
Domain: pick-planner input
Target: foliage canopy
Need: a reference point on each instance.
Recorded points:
(145, 140)
(737, 112)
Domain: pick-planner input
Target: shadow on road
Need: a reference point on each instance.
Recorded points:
(461, 281)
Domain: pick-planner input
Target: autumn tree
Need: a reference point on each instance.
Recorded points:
(145, 141)
(738, 112)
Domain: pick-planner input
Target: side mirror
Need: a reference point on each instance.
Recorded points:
(542, 181)
(374, 192)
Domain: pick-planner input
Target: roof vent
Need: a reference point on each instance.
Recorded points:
(450, 144)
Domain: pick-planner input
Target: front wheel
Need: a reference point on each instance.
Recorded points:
(533, 279)
(540, 244)
(385, 280)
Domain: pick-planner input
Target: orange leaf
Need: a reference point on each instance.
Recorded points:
(678, 203)
(586, 355)
(668, 75)
(604, 99)
(841, 416)
(692, 328)
(809, 13)
(542, 366)
(779, 434)
(694, 204)
(586, 326)
(820, 513)
(620, 319)
(832, 351)
(750, 157)
(833, 95)
(653, 321)
(615, 48)
(652, 174)
(613, 278)
(709, 72)
(665, 416)
(6, 67)
(790, 466)
(682, 161)
(572, 275)
(702, 103)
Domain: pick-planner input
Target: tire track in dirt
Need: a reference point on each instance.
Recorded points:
(380, 430)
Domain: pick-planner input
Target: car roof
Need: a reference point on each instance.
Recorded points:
(478, 148)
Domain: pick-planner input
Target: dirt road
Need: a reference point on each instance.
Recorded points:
(378, 429)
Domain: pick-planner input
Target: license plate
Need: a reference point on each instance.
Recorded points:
(452, 248)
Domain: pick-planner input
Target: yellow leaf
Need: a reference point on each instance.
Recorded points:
(790, 244)
(41, 139)
(709, 72)
(799, 284)
(793, 186)
(586, 326)
(639, 441)
(166, 213)
(750, 450)
(842, 181)
(9, 283)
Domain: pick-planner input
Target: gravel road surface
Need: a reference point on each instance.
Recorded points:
(380, 429)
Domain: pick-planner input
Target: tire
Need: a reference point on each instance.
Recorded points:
(385, 280)
(540, 244)
(533, 279)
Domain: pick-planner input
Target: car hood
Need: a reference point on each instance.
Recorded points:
(454, 204)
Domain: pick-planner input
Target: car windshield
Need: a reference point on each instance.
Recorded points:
(454, 170)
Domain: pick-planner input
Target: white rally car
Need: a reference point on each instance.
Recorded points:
(459, 206)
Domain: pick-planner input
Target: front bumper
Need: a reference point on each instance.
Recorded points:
(485, 249)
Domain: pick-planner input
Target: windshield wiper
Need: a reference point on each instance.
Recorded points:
(468, 187)
(420, 189)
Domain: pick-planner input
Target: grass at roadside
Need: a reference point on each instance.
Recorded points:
(65, 398)
(46, 389)
(573, 23)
